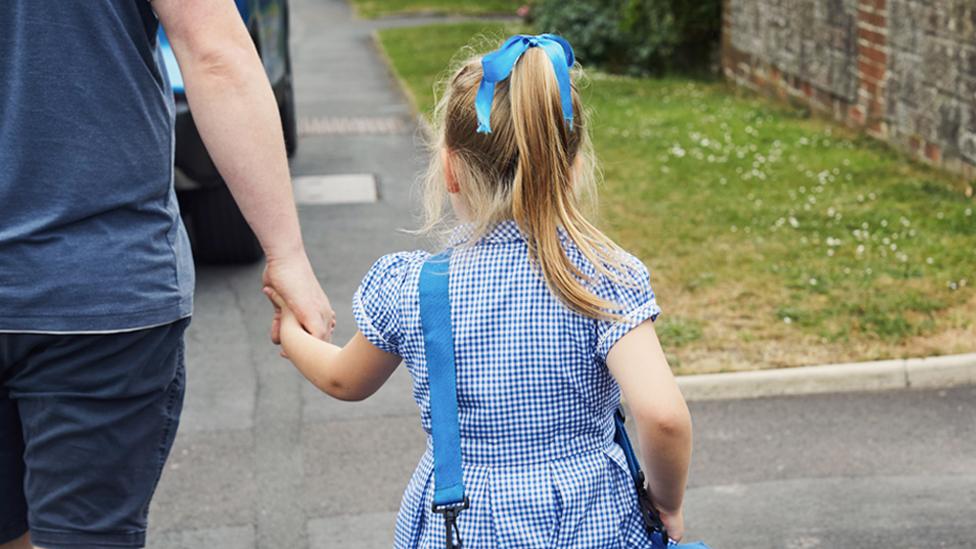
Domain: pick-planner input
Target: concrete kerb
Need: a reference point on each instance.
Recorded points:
(928, 373)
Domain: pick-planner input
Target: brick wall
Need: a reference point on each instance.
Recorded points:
(902, 70)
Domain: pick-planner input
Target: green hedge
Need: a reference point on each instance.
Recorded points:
(636, 36)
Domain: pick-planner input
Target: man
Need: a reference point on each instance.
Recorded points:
(96, 277)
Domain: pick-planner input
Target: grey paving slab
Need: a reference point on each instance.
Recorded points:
(891, 512)
(360, 466)
(221, 382)
(232, 537)
(904, 432)
(889, 469)
(208, 482)
(276, 453)
(362, 531)
(346, 64)
(315, 190)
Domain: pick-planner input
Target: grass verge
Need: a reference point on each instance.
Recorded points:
(773, 239)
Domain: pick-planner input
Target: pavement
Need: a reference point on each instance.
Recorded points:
(262, 460)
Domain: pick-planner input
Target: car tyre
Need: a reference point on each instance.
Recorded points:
(289, 123)
(218, 232)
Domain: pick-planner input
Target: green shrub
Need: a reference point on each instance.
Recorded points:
(635, 36)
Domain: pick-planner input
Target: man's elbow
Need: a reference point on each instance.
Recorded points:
(228, 65)
(227, 59)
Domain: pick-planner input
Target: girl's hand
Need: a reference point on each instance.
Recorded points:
(275, 297)
(294, 282)
(674, 522)
(284, 317)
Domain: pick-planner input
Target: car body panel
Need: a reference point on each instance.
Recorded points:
(267, 23)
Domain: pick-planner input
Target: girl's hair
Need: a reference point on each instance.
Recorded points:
(531, 168)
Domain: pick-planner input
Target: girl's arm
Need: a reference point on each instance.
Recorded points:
(353, 372)
(638, 364)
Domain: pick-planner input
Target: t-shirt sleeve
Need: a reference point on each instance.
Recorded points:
(376, 304)
(635, 301)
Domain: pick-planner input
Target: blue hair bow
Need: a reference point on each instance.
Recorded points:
(497, 66)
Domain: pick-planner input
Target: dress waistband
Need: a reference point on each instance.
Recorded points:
(508, 451)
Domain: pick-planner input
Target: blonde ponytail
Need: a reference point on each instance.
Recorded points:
(531, 168)
(543, 199)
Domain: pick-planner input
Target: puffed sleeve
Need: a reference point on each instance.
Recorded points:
(635, 301)
(376, 304)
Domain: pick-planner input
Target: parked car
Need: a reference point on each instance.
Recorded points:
(217, 229)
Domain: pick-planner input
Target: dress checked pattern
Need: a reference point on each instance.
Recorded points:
(535, 397)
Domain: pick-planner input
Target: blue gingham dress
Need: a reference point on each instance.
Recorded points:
(535, 398)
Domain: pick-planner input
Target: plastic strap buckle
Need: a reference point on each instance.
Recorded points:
(652, 520)
(451, 512)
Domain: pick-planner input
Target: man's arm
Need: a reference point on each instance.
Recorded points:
(235, 112)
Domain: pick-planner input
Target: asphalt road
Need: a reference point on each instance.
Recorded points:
(264, 461)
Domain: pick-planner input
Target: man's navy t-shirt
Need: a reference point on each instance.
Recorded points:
(90, 234)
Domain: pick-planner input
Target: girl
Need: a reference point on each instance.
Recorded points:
(551, 323)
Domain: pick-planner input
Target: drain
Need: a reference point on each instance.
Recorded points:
(352, 125)
(356, 188)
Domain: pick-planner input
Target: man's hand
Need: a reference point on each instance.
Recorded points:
(294, 281)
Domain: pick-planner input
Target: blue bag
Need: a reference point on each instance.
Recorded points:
(449, 498)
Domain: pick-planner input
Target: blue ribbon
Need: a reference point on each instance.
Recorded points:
(497, 66)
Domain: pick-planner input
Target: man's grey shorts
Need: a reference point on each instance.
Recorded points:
(86, 424)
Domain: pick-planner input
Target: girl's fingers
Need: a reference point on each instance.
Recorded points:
(276, 329)
(275, 297)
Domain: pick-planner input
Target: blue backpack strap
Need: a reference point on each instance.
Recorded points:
(435, 318)
(652, 521)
